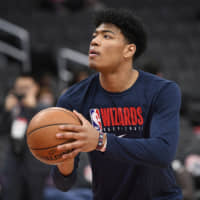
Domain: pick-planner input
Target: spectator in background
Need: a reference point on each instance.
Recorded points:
(184, 180)
(49, 82)
(77, 77)
(46, 98)
(24, 176)
(192, 163)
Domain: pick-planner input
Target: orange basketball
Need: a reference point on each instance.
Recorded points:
(41, 134)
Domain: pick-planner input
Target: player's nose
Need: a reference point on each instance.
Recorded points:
(96, 41)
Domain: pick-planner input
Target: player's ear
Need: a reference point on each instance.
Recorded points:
(129, 50)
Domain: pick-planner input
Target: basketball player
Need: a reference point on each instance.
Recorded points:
(130, 118)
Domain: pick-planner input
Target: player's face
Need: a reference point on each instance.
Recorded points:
(107, 48)
(25, 85)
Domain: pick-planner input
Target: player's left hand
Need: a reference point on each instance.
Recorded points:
(85, 136)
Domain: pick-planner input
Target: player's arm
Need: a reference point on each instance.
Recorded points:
(66, 167)
(158, 150)
(64, 174)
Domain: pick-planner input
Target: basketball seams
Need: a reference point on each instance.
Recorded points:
(56, 124)
(70, 114)
(35, 149)
(60, 109)
(63, 110)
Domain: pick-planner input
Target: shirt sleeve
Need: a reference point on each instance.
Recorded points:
(64, 183)
(160, 148)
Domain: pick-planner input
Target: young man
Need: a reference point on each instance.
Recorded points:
(134, 116)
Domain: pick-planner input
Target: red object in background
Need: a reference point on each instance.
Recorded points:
(196, 130)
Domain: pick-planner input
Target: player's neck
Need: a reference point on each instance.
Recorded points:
(119, 81)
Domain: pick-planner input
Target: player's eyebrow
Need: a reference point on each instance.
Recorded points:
(104, 31)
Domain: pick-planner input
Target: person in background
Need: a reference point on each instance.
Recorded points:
(46, 98)
(24, 176)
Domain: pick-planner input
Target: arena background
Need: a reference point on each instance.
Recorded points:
(47, 30)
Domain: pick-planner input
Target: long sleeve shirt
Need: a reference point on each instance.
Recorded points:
(142, 126)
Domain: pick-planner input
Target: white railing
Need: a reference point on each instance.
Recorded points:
(66, 54)
(21, 54)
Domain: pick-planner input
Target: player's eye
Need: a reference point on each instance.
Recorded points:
(93, 36)
(106, 36)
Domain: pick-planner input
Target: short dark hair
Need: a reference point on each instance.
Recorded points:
(130, 25)
(27, 75)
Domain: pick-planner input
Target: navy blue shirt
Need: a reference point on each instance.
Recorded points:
(142, 126)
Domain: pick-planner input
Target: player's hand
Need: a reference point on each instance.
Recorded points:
(85, 136)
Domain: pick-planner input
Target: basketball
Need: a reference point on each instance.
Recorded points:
(42, 130)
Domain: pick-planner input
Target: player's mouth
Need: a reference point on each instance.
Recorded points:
(93, 53)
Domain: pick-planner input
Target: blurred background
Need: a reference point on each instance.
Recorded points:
(46, 42)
